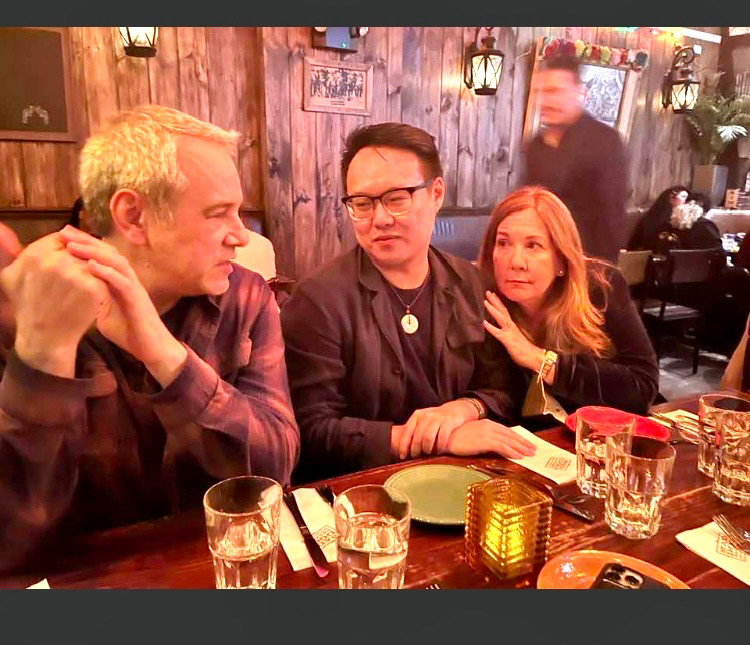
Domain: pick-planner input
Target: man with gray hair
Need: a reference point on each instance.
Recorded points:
(145, 365)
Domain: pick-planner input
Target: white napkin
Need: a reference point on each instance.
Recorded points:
(42, 584)
(710, 543)
(549, 460)
(318, 516)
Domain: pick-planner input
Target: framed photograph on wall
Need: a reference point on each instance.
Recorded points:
(340, 87)
(35, 84)
(604, 89)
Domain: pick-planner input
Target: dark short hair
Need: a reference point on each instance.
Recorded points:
(567, 63)
(393, 135)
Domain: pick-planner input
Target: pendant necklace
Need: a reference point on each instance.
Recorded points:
(409, 322)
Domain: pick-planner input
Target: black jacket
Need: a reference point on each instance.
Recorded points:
(346, 368)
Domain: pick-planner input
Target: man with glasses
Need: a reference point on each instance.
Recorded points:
(382, 344)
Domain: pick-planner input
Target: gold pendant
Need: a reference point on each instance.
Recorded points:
(409, 323)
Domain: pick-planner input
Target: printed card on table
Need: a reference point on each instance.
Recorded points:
(550, 461)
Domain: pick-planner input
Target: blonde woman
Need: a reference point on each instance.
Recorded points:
(567, 320)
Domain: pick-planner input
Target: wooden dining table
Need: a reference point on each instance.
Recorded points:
(172, 552)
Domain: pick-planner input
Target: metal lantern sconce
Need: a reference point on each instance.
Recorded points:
(484, 65)
(139, 41)
(680, 86)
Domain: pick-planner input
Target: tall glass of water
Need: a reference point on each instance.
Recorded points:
(638, 474)
(732, 462)
(243, 525)
(372, 527)
(709, 407)
(593, 425)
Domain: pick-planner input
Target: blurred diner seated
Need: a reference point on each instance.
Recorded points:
(143, 366)
(656, 219)
(567, 320)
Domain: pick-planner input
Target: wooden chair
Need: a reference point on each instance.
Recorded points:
(634, 266)
(696, 270)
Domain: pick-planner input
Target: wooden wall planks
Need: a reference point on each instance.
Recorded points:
(104, 80)
(250, 79)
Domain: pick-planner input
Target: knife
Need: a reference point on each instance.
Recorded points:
(583, 513)
(320, 564)
(557, 500)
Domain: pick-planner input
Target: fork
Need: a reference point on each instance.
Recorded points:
(740, 539)
(434, 585)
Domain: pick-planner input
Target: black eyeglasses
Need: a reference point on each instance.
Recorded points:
(396, 202)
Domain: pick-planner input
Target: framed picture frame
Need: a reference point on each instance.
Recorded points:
(339, 87)
(610, 94)
(35, 84)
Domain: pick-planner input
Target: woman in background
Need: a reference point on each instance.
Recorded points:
(656, 219)
(566, 320)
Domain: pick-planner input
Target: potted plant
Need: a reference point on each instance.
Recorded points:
(714, 123)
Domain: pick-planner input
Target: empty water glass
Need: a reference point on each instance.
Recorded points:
(243, 525)
(732, 463)
(593, 425)
(638, 474)
(372, 527)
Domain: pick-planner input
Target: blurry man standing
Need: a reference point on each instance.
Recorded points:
(579, 159)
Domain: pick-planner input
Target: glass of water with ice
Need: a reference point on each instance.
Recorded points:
(372, 527)
(242, 523)
(638, 474)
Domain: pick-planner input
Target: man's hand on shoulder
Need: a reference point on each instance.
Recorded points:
(128, 316)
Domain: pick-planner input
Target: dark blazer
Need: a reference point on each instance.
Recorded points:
(629, 380)
(346, 368)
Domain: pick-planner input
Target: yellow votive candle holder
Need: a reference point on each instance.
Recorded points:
(507, 527)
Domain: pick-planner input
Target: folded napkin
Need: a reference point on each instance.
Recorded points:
(42, 584)
(550, 461)
(318, 516)
(709, 542)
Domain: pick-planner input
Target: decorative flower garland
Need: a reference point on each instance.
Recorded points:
(636, 59)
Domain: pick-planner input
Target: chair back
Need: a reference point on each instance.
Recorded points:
(633, 266)
(692, 265)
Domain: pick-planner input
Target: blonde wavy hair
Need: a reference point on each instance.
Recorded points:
(137, 149)
(572, 324)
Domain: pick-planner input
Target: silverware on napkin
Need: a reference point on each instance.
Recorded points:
(320, 564)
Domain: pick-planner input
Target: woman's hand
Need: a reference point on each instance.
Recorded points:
(520, 348)
(478, 437)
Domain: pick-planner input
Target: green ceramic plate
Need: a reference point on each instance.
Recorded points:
(437, 492)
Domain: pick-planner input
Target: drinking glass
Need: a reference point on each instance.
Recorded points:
(732, 445)
(638, 474)
(243, 525)
(372, 527)
(593, 425)
(710, 405)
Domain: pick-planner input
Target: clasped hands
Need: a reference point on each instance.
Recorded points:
(66, 282)
(452, 428)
